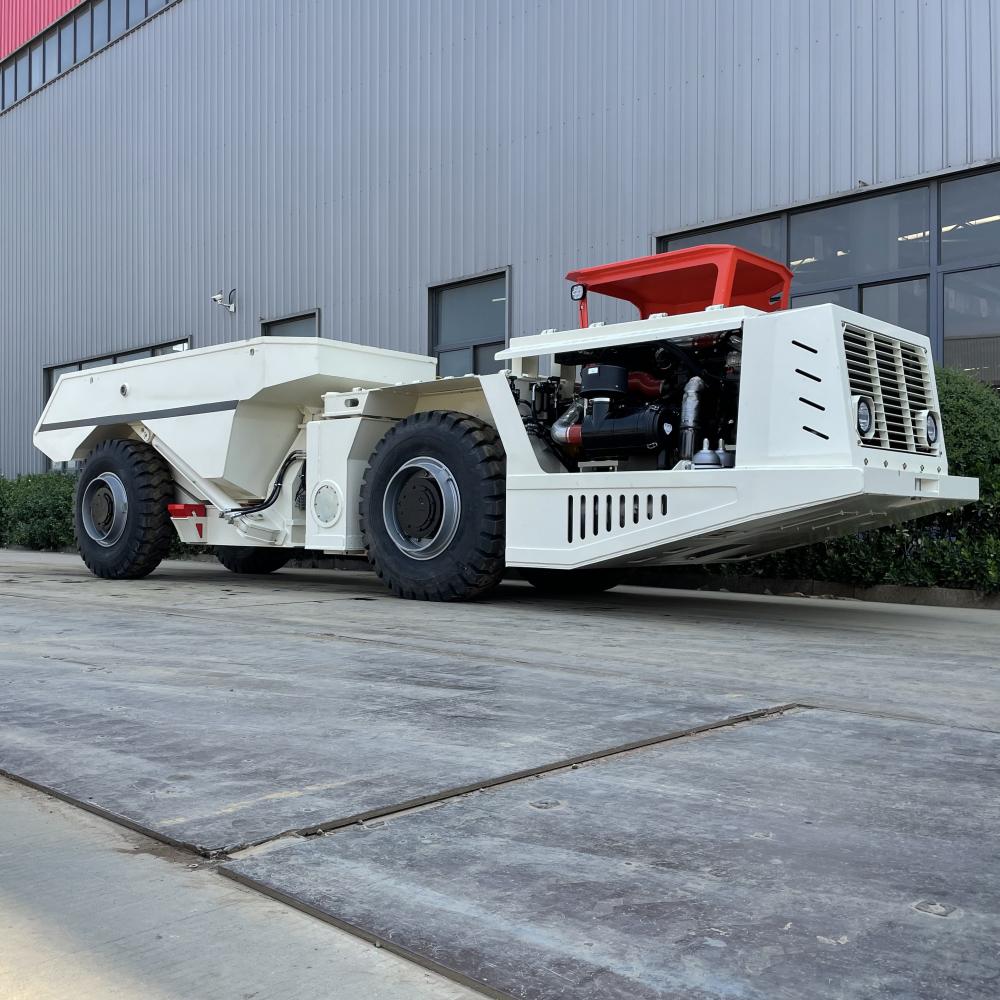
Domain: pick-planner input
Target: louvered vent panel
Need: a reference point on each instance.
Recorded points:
(897, 377)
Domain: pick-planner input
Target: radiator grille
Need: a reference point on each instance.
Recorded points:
(897, 376)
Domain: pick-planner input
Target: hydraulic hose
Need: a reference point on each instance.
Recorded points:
(279, 481)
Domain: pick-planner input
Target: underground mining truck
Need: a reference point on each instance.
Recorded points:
(717, 426)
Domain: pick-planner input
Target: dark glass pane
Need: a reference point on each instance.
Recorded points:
(972, 322)
(978, 356)
(903, 303)
(117, 18)
(839, 297)
(98, 362)
(9, 86)
(83, 42)
(133, 356)
(66, 46)
(869, 236)
(100, 11)
(154, 5)
(37, 65)
(176, 348)
(972, 303)
(456, 362)
(295, 326)
(970, 217)
(136, 11)
(52, 56)
(471, 312)
(766, 237)
(485, 362)
(22, 76)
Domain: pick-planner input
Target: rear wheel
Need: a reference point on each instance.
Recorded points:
(572, 582)
(252, 558)
(432, 507)
(123, 528)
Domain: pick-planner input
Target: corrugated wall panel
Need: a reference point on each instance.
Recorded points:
(348, 155)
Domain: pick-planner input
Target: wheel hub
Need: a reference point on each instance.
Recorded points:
(104, 509)
(422, 508)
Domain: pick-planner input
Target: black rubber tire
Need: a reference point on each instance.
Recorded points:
(473, 563)
(572, 582)
(148, 533)
(252, 559)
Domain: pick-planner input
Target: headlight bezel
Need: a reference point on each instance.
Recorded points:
(859, 405)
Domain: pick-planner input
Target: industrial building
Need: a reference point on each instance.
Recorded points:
(420, 174)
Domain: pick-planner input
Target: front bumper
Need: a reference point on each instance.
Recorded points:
(689, 517)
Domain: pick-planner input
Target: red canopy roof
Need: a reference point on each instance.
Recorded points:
(690, 280)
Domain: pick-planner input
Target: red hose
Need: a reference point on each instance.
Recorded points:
(644, 385)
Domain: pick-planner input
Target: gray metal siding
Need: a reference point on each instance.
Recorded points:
(346, 154)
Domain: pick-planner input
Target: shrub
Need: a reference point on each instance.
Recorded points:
(37, 511)
(956, 548)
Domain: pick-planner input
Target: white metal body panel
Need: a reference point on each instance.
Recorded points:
(802, 472)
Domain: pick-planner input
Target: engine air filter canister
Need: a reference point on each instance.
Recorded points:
(603, 381)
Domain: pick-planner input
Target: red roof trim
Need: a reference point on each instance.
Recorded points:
(22, 20)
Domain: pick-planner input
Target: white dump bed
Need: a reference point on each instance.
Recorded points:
(191, 401)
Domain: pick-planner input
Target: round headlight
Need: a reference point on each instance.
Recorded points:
(931, 427)
(866, 416)
(578, 292)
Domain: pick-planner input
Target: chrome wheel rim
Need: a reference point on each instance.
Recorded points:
(422, 508)
(104, 509)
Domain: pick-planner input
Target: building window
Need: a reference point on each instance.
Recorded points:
(925, 257)
(468, 321)
(90, 26)
(300, 325)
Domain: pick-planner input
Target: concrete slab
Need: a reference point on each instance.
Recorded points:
(938, 664)
(89, 911)
(219, 734)
(815, 855)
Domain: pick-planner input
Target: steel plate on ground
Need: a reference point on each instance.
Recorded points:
(217, 736)
(817, 855)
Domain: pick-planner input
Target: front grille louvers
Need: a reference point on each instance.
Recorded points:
(897, 377)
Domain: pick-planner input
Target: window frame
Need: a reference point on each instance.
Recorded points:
(434, 289)
(316, 311)
(934, 272)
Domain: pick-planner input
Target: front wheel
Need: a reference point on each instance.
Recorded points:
(123, 528)
(572, 582)
(432, 507)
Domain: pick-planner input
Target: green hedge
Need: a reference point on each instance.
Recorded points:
(37, 511)
(958, 548)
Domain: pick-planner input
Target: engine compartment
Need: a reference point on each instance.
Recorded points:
(665, 404)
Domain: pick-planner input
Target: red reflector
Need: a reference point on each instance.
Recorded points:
(186, 509)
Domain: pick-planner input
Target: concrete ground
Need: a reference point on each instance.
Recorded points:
(218, 711)
(92, 911)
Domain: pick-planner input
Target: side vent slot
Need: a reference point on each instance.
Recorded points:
(815, 406)
(819, 434)
(809, 375)
(599, 514)
(805, 347)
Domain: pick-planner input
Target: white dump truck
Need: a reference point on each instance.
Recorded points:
(718, 426)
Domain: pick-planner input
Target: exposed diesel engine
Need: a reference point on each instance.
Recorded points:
(642, 406)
